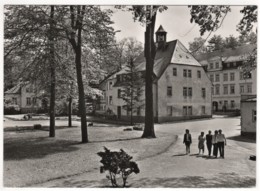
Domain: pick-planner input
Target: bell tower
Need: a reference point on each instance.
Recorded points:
(160, 35)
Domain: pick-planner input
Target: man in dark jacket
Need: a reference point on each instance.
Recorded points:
(187, 141)
(209, 142)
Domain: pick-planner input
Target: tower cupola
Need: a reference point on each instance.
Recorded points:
(161, 35)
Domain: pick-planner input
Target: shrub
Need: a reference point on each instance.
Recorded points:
(117, 163)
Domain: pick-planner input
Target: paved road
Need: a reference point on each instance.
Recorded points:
(174, 169)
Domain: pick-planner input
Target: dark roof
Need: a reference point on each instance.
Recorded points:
(16, 89)
(161, 29)
(172, 52)
(228, 52)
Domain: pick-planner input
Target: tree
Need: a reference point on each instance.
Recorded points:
(147, 16)
(132, 89)
(197, 46)
(30, 38)
(231, 42)
(216, 43)
(52, 71)
(210, 18)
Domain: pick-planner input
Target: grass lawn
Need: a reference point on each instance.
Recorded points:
(31, 157)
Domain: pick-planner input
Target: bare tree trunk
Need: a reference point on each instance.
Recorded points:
(150, 51)
(82, 105)
(52, 73)
(69, 112)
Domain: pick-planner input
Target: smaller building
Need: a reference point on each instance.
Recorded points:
(248, 115)
(24, 97)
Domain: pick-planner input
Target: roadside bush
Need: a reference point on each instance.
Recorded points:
(117, 163)
(11, 109)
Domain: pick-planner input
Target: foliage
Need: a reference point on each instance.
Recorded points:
(117, 163)
(209, 18)
(132, 89)
(249, 17)
(197, 46)
(146, 15)
(231, 42)
(216, 43)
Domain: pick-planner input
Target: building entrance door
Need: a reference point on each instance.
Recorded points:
(215, 106)
(118, 112)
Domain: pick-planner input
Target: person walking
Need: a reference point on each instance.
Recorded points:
(221, 139)
(187, 140)
(201, 142)
(209, 142)
(215, 144)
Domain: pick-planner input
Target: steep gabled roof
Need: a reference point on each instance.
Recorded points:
(228, 53)
(162, 58)
(16, 89)
(173, 52)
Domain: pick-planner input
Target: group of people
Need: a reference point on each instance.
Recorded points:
(217, 141)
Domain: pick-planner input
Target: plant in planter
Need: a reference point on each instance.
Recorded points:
(117, 163)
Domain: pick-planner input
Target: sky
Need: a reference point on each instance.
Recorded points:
(176, 21)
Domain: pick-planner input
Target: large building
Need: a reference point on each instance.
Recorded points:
(248, 115)
(181, 87)
(23, 96)
(229, 80)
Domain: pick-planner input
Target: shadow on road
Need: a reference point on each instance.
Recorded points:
(31, 148)
(243, 139)
(222, 180)
(178, 155)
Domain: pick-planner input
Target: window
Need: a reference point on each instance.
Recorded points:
(232, 89)
(189, 73)
(14, 100)
(225, 90)
(247, 75)
(211, 65)
(169, 110)
(110, 100)
(184, 110)
(199, 74)
(249, 88)
(203, 91)
(241, 75)
(232, 103)
(34, 100)
(185, 92)
(254, 115)
(174, 71)
(110, 85)
(118, 78)
(232, 76)
(211, 77)
(225, 77)
(241, 89)
(189, 91)
(169, 91)
(217, 77)
(119, 93)
(225, 103)
(217, 90)
(203, 110)
(28, 101)
(217, 64)
(184, 73)
(190, 110)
